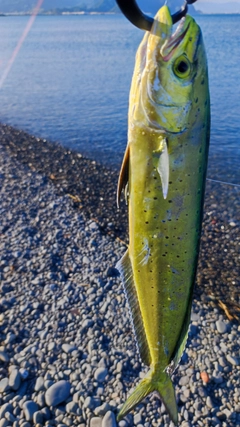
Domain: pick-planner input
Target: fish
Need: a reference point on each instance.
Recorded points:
(163, 174)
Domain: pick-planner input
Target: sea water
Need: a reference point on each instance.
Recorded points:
(71, 78)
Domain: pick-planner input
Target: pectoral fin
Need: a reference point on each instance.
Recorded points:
(163, 168)
(123, 176)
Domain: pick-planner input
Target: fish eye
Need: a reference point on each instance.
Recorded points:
(182, 67)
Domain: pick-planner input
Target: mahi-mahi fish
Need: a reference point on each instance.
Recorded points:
(163, 174)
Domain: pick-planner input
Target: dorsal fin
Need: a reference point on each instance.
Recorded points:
(123, 176)
(125, 268)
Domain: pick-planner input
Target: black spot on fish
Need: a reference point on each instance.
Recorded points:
(196, 100)
(202, 82)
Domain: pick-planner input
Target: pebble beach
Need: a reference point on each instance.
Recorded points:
(67, 352)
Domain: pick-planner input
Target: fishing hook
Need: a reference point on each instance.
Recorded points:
(132, 12)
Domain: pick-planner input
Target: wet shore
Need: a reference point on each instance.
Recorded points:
(92, 189)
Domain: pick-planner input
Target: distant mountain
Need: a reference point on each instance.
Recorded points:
(19, 6)
(151, 6)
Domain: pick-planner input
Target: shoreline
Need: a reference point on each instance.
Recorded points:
(67, 353)
(92, 189)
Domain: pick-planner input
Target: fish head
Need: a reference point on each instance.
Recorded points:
(170, 65)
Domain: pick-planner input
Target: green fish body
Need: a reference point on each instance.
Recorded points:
(164, 171)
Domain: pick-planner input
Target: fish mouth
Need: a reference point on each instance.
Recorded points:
(174, 40)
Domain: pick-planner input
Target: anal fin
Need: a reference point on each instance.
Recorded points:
(125, 268)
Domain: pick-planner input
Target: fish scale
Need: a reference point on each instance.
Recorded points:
(165, 167)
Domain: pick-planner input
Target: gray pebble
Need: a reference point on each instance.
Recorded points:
(221, 326)
(4, 423)
(68, 348)
(4, 356)
(184, 380)
(96, 422)
(123, 423)
(38, 417)
(109, 420)
(100, 374)
(15, 379)
(233, 360)
(209, 402)
(29, 407)
(4, 385)
(10, 417)
(39, 385)
(103, 409)
(7, 407)
(57, 393)
(137, 418)
(90, 403)
(72, 407)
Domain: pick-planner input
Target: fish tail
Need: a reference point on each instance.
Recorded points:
(154, 381)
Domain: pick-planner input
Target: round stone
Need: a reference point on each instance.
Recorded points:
(29, 408)
(221, 326)
(109, 420)
(100, 374)
(57, 393)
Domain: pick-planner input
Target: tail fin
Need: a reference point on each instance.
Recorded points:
(154, 381)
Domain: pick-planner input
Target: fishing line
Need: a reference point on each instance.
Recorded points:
(20, 42)
(223, 182)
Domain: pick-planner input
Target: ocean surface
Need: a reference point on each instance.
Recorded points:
(70, 83)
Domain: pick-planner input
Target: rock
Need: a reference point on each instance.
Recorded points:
(4, 385)
(96, 422)
(209, 402)
(137, 419)
(39, 385)
(100, 374)
(103, 409)
(233, 360)
(29, 408)
(7, 407)
(109, 420)
(24, 373)
(57, 393)
(221, 326)
(4, 423)
(15, 379)
(68, 348)
(184, 380)
(38, 417)
(4, 356)
(112, 272)
(90, 402)
(72, 407)
(204, 376)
